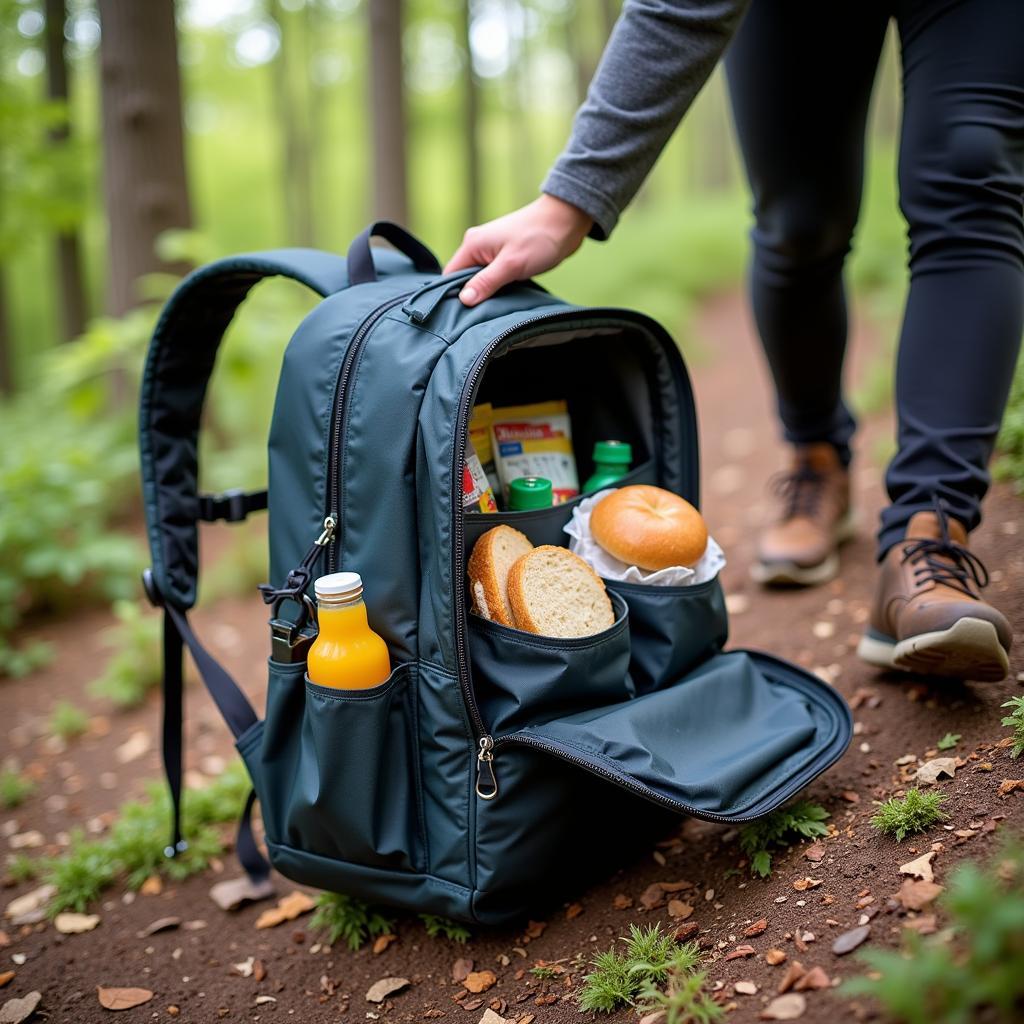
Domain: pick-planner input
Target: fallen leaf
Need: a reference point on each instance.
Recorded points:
(31, 901)
(161, 924)
(675, 886)
(788, 1007)
(774, 957)
(14, 1011)
(573, 911)
(814, 979)
(6, 977)
(850, 796)
(740, 951)
(490, 1017)
(472, 1004)
(259, 972)
(461, 969)
(849, 941)
(924, 924)
(288, 908)
(916, 895)
(931, 771)
(122, 998)
(815, 852)
(382, 942)
(794, 972)
(803, 884)
(652, 897)
(152, 886)
(746, 988)
(479, 981)
(756, 928)
(1009, 786)
(535, 929)
(74, 924)
(654, 1017)
(622, 902)
(380, 990)
(920, 868)
(234, 892)
(133, 748)
(679, 910)
(685, 931)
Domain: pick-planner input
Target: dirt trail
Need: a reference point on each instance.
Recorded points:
(191, 969)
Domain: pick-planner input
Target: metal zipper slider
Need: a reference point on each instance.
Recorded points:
(327, 536)
(485, 759)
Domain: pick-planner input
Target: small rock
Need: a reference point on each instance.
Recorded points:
(746, 988)
(14, 1011)
(916, 895)
(756, 928)
(31, 901)
(931, 771)
(234, 892)
(920, 868)
(794, 972)
(788, 1007)
(479, 981)
(75, 924)
(380, 990)
(774, 957)
(849, 941)
(813, 980)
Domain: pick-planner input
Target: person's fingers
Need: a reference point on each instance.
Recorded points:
(505, 269)
(473, 252)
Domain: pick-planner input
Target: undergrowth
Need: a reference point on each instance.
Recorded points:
(15, 789)
(135, 665)
(1015, 720)
(619, 976)
(343, 917)
(67, 720)
(974, 970)
(684, 999)
(802, 820)
(444, 928)
(916, 812)
(1010, 463)
(949, 741)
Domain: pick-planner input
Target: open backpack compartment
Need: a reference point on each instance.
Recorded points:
(495, 770)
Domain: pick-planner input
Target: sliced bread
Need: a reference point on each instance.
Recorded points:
(555, 593)
(488, 569)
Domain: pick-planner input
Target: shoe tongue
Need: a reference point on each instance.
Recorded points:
(820, 457)
(926, 524)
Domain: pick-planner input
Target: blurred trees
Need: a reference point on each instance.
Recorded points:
(387, 110)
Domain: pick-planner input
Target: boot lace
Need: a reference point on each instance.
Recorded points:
(800, 489)
(942, 560)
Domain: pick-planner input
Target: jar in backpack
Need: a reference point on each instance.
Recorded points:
(611, 463)
(346, 654)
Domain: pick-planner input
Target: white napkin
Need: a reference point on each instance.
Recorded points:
(581, 543)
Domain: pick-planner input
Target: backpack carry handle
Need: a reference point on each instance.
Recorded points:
(420, 305)
(361, 269)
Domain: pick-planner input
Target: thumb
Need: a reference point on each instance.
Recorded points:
(501, 272)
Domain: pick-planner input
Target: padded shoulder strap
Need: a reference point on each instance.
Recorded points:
(180, 360)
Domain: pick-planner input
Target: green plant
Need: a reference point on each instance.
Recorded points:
(135, 665)
(1010, 464)
(134, 847)
(345, 917)
(618, 976)
(67, 720)
(973, 971)
(802, 820)
(915, 813)
(949, 741)
(443, 927)
(684, 999)
(544, 972)
(1015, 720)
(15, 789)
(23, 868)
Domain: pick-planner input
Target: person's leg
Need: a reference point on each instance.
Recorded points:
(961, 190)
(800, 77)
(962, 193)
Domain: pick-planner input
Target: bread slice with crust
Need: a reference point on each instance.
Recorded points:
(488, 569)
(553, 592)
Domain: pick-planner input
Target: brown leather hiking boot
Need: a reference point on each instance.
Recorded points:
(928, 615)
(802, 547)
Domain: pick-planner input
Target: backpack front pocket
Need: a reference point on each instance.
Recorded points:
(521, 678)
(672, 629)
(347, 770)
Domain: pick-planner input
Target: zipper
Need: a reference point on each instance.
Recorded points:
(486, 779)
(339, 422)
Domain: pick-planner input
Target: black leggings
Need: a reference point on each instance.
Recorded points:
(800, 73)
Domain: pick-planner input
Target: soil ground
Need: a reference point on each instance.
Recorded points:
(189, 969)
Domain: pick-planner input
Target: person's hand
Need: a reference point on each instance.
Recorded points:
(517, 246)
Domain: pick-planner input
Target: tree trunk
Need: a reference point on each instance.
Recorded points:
(74, 312)
(143, 140)
(470, 119)
(518, 79)
(387, 106)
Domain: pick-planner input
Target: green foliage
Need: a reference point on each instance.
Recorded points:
(23, 868)
(949, 741)
(1010, 464)
(683, 999)
(135, 665)
(344, 917)
(978, 973)
(68, 721)
(443, 927)
(1015, 720)
(915, 813)
(802, 820)
(15, 789)
(618, 976)
(134, 847)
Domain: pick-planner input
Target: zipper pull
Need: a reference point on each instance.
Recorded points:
(327, 536)
(485, 764)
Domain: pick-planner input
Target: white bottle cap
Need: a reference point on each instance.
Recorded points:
(339, 584)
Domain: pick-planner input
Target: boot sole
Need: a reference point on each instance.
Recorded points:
(969, 649)
(792, 574)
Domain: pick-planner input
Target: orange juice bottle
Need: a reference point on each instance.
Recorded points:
(346, 654)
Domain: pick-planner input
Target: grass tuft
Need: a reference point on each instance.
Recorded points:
(618, 976)
(916, 812)
(443, 927)
(15, 789)
(135, 665)
(684, 999)
(802, 820)
(68, 721)
(23, 868)
(341, 916)
(1015, 720)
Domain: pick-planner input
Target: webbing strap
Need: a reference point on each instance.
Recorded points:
(232, 704)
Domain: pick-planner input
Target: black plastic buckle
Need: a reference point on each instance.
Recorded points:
(229, 507)
(153, 595)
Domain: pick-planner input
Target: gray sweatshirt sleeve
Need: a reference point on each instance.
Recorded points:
(660, 54)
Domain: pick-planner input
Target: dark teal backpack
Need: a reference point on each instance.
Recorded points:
(494, 771)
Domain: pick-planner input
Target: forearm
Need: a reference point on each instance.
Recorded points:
(658, 57)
